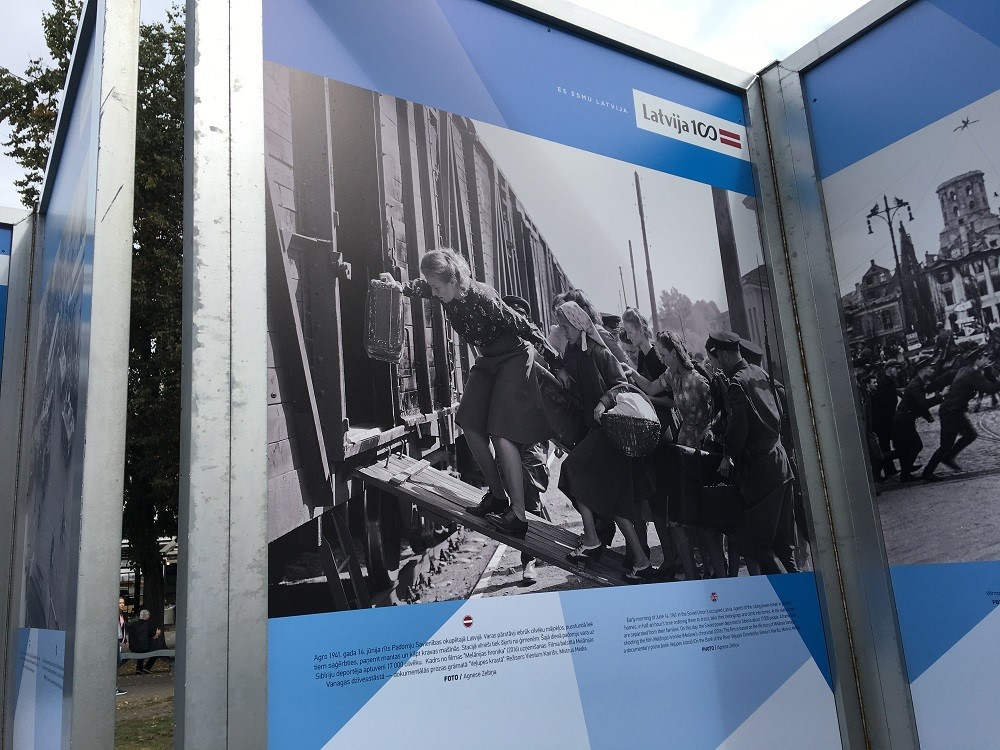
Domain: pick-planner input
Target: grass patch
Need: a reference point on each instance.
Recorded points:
(145, 725)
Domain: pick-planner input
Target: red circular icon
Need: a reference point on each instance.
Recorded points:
(467, 621)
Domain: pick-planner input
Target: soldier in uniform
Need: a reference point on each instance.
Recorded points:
(784, 540)
(753, 453)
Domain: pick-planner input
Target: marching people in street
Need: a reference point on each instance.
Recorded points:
(596, 476)
(883, 405)
(753, 453)
(913, 404)
(957, 432)
(501, 403)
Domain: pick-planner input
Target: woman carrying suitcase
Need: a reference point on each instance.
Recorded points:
(501, 404)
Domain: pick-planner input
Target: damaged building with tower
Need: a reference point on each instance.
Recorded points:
(961, 282)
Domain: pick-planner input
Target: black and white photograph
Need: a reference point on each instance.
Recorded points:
(500, 365)
(916, 236)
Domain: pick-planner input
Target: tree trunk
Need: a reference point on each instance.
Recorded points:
(147, 557)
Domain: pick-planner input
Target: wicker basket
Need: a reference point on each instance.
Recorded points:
(633, 436)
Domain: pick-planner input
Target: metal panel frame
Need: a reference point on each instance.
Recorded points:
(604, 31)
(221, 694)
(90, 654)
(11, 398)
(221, 689)
(871, 685)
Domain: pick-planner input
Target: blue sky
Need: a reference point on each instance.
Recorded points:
(746, 34)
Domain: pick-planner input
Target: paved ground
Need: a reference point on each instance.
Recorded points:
(956, 519)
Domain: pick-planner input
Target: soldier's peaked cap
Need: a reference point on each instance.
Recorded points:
(751, 352)
(724, 340)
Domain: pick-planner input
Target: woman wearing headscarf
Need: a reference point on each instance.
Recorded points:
(596, 476)
(691, 395)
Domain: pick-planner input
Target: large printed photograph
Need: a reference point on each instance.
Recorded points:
(916, 236)
(500, 365)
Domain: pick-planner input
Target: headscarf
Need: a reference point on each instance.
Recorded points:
(573, 314)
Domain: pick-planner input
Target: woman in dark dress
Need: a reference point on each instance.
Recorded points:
(596, 476)
(674, 540)
(501, 403)
(691, 394)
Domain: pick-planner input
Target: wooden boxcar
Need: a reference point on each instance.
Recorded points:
(359, 183)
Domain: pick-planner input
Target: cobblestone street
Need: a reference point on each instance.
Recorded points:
(956, 519)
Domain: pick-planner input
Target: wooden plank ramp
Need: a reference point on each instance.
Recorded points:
(449, 497)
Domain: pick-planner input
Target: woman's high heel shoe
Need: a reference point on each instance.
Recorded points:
(581, 554)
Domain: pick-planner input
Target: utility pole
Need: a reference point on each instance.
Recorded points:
(624, 293)
(635, 286)
(649, 271)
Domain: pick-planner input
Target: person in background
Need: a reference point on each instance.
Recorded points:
(753, 452)
(122, 639)
(691, 394)
(631, 350)
(785, 547)
(501, 404)
(913, 404)
(143, 636)
(609, 338)
(957, 432)
(534, 464)
(944, 348)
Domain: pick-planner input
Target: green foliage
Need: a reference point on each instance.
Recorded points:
(152, 450)
(29, 103)
(692, 320)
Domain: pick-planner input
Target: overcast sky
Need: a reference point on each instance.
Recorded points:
(911, 169)
(747, 34)
(585, 207)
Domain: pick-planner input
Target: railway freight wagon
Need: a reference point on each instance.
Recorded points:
(359, 183)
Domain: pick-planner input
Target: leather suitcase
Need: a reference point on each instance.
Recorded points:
(384, 321)
(563, 411)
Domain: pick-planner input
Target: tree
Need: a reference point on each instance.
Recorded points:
(29, 104)
(152, 448)
(694, 321)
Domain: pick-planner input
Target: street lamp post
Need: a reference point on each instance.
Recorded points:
(887, 214)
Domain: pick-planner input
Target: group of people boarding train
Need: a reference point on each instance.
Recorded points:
(721, 421)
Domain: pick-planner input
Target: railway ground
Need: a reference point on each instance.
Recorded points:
(956, 519)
